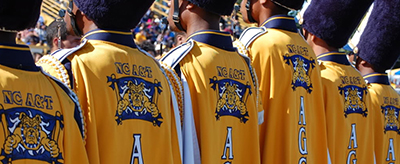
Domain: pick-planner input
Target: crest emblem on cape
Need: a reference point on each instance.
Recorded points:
(31, 134)
(354, 99)
(391, 118)
(137, 99)
(302, 68)
(232, 98)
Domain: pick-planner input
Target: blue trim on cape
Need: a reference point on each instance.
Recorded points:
(17, 56)
(219, 39)
(119, 37)
(283, 22)
(336, 57)
(380, 78)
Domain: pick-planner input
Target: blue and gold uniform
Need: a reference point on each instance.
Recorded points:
(327, 27)
(348, 112)
(386, 106)
(220, 86)
(40, 117)
(291, 90)
(41, 120)
(376, 54)
(127, 100)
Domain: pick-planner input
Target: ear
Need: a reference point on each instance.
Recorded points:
(313, 37)
(130, 83)
(190, 6)
(361, 64)
(37, 118)
(84, 16)
(55, 42)
(22, 116)
(309, 36)
(364, 63)
(263, 1)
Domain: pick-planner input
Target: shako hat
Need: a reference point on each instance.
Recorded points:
(379, 43)
(114, 14)
(334, 20)
(17, 15)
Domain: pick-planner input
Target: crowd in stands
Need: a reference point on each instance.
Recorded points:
(34, 36)
(152, 34)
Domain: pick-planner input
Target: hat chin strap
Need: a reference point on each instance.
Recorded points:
(74, 26)
(3, 29)
(72, 17)
(249, 17)
(281, 5)
(175, 16)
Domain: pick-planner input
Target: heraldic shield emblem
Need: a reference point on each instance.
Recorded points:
(137, 99)
(302, 68)
(354, 99)
(391, 118)
(31, 134)
(232, 98)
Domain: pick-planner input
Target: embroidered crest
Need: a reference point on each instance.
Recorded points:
(31, 134)
(391, 118)
(302, 68)
(232, 98)
(137, 99)
(354, 99)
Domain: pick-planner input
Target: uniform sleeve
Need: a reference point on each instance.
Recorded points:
(72, 125)
(264, 81)
(74, 146)
(260, 108)
(374, 121)
(83, 93)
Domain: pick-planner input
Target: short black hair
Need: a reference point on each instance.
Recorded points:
(52, 31)
(148, 46)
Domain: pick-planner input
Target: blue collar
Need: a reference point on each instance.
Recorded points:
(337, 57)
(120, 37)
(214, 38)
(380, 78)
(17, 56)
(283, 22)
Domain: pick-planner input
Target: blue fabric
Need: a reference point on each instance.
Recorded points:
(380, 78)
(336, 57)
(283, 22)
(18, 59)
(112, 36)
(347, 47)
(221, 40)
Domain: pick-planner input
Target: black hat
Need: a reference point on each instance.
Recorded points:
(380, 41)
(334, 20)
(114, 14)
(19, 15)
(220, 7)
(289, 4)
